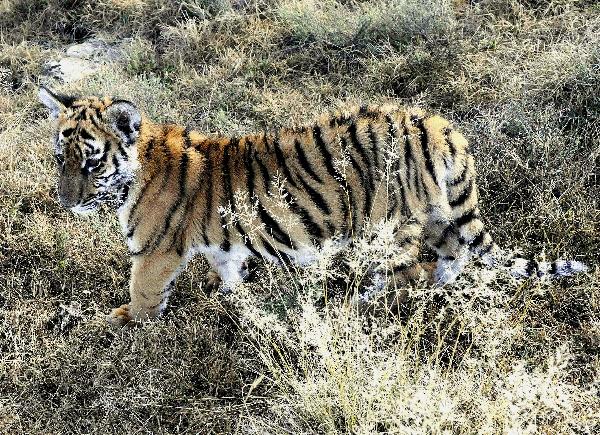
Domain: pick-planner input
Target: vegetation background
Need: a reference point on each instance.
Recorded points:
(521, 79)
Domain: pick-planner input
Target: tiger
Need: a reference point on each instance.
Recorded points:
(176, 189)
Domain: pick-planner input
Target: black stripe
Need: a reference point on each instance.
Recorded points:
(276, 232)
(392, 131)
(312, 228)
(122, 151)
(228, 197)
(465, 194)
(553, 268)
(357, 145)
(531, 267)
(264, 172)
(461, 177)
(67, 132)
(149, 148)
(425, 147)
(225, 245)
(406, 211)
(269, 248)
(281, 162)
(448, 258)
(248, 244)
(327, 159)
(95, 123)
(85, 134)
(330, 228)
(265, 139)
(315, 196)
(208, 176)
(407, 151)
(149, 246)
(306, 166)
(368, 179)
(351, 198)
(249, 169)
(187, 142)
(392, 207)
(444, 235)
(477, 240)
(115, 162)
(250, 186)
(466, 218)
(447, 132)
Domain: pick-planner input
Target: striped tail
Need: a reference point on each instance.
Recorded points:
(526, 268)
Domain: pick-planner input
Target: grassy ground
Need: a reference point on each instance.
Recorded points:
(489, 355)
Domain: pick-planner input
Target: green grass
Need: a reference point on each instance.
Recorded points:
(489, 355)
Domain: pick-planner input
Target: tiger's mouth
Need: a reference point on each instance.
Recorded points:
(114, 198)
(85, 208)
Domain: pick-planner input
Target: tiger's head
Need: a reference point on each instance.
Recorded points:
(94, 146)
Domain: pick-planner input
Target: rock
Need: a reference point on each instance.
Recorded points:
(81, 60)
(70, 69)
(93, 49)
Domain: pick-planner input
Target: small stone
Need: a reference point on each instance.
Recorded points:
(92, 48)
(81, 60)
(70, 69)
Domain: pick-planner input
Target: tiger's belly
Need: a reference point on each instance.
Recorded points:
(231, 264)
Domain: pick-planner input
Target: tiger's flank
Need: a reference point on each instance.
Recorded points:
(178, 192)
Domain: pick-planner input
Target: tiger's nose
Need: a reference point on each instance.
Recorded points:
(68, 192)
(67, 202)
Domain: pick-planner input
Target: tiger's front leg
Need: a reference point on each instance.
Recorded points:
(149, 287)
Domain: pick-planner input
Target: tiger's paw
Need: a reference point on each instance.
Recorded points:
(121, 317)
(212, 282)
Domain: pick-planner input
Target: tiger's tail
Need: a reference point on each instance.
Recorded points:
(520, 267)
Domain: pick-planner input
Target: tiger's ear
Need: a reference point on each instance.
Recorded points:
(125, 120)
(55, 102)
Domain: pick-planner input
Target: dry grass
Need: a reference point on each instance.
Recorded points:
(290, 352)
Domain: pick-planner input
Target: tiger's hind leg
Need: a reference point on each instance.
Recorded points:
(228, 268)
(397, 272)
(450, 241)
(149, 287)
(455, 241)
(213, 278)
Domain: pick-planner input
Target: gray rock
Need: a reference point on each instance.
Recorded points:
(93, 49)
(81, 60)
(70, 69)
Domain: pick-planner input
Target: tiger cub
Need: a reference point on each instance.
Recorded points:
(177, 191)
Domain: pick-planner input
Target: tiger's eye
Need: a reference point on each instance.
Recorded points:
(92, 164)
